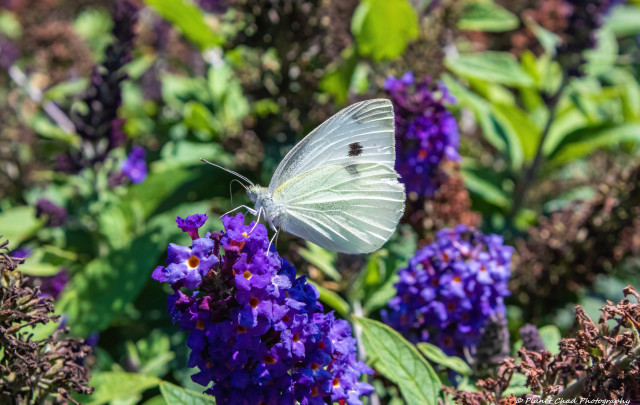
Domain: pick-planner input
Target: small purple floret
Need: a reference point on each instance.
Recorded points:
(135, 166)
(191, 224)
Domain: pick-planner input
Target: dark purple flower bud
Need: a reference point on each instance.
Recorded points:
(531, 339)
(451, 288)
(135, 166)
(53, 285)
(21, 253)
(55, 215)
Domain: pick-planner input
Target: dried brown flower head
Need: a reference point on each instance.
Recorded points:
(35, 370)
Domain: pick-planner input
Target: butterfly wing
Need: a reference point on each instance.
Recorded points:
(360, 133)
(349, 208)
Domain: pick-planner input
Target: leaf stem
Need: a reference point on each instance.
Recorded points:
(520, 192)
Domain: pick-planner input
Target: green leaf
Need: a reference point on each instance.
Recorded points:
(496, 67)
(189, 19)
(522, 133)
(65, 89)
(185, 154)
(605, 56)
(585, 141)
(400, 362)
(180, 396)
(46, 261)
(624, 20)
(381, 295)
(436, 355)
(486, 190)
(18, 224)
(111, 386)
(321, 259)
(384, 28)
(337, 80)
(333, 300)
(109, 284)
(550, 335)
(487, 17)
(199, 118)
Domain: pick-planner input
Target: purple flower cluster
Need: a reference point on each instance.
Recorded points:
(135, 166)
(256, 331)
(426, 133)
(451, 288)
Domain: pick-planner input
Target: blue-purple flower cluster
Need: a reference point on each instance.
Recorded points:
(426, 133)
(256, 331)
(451, 288)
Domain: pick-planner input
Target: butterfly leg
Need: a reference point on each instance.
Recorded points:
(275, 236)
(257, 220)
(250, 210)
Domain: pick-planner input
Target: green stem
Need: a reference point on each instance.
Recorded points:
(524, 185)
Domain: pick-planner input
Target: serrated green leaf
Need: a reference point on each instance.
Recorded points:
(189, 19)
(436, 355)
(487, 16)
(384, 28)
(18, 224)
(111, 386)
(180, 396)
(401, 362)
(496, 67)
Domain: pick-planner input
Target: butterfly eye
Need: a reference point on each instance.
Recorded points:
(355, 149)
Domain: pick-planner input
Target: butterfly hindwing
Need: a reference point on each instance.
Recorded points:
(360, 133)
(347, 207)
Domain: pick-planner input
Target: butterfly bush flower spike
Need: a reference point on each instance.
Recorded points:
(426, 132)
(451, 288)
(257, 334)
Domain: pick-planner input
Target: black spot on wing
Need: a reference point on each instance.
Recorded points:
(355, 149)
(352, 169)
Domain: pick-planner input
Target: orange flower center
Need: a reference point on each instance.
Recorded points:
(247, 274)
(193, 262)
(200, 325)
(253, 302)
(269, 359)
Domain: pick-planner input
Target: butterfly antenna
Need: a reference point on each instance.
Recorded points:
(231, 184)
(229, 171)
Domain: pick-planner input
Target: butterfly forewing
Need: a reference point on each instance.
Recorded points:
(360, 133)
(348, 207)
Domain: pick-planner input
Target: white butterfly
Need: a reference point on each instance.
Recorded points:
(338, 187)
